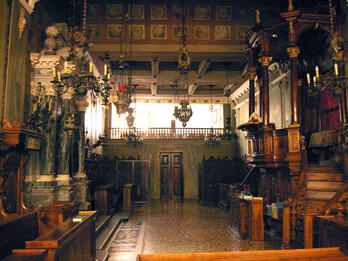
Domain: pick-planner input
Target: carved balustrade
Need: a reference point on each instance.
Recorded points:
(165, 133)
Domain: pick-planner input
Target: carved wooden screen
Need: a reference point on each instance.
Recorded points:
(136, 172)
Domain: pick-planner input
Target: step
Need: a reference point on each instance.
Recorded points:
(329, 176)
(323, 168)
(318, 194)
(324, 185)
(315, 203)
(102, 255)
(101, 222)
(108, 230)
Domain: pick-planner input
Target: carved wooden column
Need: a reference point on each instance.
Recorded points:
(252, 75)
(265, 60)
(266, 135)
(293, 53)
(294, 155)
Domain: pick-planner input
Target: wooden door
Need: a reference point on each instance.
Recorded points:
(171, 175)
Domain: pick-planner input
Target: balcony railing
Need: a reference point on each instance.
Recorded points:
(165, 133)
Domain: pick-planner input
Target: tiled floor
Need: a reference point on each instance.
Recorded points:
(181, 227)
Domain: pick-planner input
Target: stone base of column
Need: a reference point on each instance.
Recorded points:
(81, 191)
(39, 193)
(64, 188)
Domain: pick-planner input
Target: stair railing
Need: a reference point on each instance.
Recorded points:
(294, 206)
(335, 202)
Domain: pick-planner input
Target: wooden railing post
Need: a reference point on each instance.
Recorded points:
(286, 225)
(308, 230)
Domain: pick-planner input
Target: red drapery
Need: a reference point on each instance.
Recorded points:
(330, 118)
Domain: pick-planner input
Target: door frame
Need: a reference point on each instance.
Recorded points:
(158, 170)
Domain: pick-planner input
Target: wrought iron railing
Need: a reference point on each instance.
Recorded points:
(165, 133)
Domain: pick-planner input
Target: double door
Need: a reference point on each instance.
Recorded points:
(171, 175)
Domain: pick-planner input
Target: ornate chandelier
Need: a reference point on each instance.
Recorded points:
(212, 139)
(184, 113)
(184, 60)
(124, 88)
(132, 137)
(81, 79)
(335, 81)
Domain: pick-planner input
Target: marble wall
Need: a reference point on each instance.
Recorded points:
(192, 151)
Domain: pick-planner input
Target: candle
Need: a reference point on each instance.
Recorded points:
(105, 69)
(336, 69)
(317, 71)
(54, 72)
(58, 76)
(90, 67)
(308, 78)
(65, 67)
(108, 76)
(315, 81)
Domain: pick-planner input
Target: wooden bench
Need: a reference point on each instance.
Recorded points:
(106, 198)
(27, 255)
(15, 232)
(318, 254)
(70, 241)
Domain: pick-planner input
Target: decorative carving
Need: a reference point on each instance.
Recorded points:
(293, 51)
(291, 31)
(6, 124)
(265, 60)
(21, 22)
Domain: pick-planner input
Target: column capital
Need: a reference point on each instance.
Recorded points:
(252, 75)
(293, 51)
(82, 105)
(265, 60)
(68, 95)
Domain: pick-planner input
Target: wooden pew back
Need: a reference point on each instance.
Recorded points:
(318, 254)
(70, 241)
(15, 232)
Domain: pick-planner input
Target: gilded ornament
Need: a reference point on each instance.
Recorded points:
(21, 22)
(293, 51)
(265, 60)
(252, 75)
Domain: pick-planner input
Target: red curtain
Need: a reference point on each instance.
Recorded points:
(330, 118)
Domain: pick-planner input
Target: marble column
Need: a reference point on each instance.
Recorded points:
(81, 182)
(40, 185)
(81, 105)
(64, 181)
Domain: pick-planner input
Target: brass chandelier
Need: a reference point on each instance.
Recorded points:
(81, 79)
(337, 81)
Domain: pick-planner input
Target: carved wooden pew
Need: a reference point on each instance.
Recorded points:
(70, 241)
(318, 254)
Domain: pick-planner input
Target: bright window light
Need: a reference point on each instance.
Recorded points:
(160, 115)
